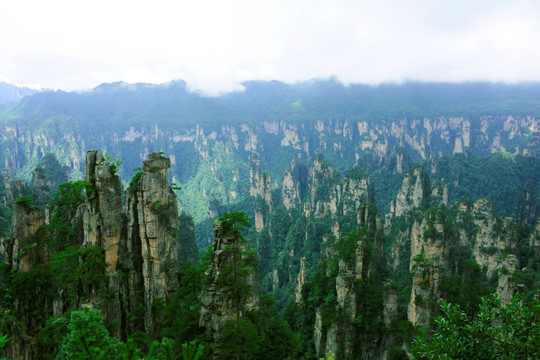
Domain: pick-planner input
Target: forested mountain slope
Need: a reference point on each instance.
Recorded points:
(210, 139)
(346, 279)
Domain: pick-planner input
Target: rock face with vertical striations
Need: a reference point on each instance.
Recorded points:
(24, 250)
(261, 190)
(414, 192)
(301, 280)
(291, 191)
(233, 288)
(507, 283)
(102, 215)
(494, 236)
(324, 189)
(151, 246)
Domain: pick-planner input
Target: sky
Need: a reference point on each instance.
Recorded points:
(215, 45)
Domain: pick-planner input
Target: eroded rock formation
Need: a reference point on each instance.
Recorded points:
(232, 289)
(152, 213)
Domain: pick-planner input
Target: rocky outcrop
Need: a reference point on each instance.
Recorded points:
(494, 235)
(398, 161)
(414, 193)
(151, 248)
(301, 280)
(25, 248)
(534, 239)
(25, 251)
(139, 248)
(291, 193)
(425, 285)
(324, 189)
(261, 190)
(507, 284)
(102, 216)
(40, 188)
(232, 289)
(356, 190)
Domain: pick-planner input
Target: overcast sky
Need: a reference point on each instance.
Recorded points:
(215, 44)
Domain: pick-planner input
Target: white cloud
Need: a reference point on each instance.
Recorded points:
(214, 45)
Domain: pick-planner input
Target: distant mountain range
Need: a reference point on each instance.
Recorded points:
(11, 93)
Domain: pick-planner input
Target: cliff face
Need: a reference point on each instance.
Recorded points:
(261, 190)
(324, 189)
(291, 185)
(494, 236)
(25, 251)
(414, 193)
(356, 191)
(423, 240)
(507, 284)
(151, 246)
(138, 246)
(232, 289)
(413, 196)
(102, 218)
(429, 235)
(421, 137)
(24, 248)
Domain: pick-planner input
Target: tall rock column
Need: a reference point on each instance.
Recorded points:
(507, 283)
(232, 289)
(291, 189)
(102, 226)
(102, 216)
(432, 245)
(152, 212)
(25, 223)
(261, 190)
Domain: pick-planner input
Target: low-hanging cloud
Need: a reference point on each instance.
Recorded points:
(215, 45)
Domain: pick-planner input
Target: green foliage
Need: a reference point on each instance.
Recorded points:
(192, 351)
(63, 206)
(185, 236)
(53, 171)
(497, 177)
(79, 266)
(115, 163)
(466, 287)
(240, 340)
(496, 332)
(164, 213)
(51, 335)
(25, 200)
(346, 245)
(134, 182)
(30, 288)
(87, 337)
(420, 259)
(262, 335)
(319, 293)
(357, 173)
(368, 321)
(3, 340)
(181, 313)
(234, 222)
